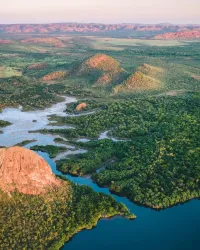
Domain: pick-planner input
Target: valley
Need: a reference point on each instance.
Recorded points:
(120, 115)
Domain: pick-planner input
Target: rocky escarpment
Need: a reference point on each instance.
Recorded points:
(23, 170)
(191, 34)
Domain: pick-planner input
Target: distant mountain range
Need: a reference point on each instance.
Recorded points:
(91, 27)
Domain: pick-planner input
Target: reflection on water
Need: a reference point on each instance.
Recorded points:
(69, 152)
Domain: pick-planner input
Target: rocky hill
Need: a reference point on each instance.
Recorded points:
(146, 77)
(138, 81)
(23, 170)
(100, 62)
(103, 68)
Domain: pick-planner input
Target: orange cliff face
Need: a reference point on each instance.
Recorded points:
(23, 170)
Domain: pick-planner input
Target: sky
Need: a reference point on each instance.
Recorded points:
(100, 11)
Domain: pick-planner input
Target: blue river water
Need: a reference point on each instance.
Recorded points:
(176, 228)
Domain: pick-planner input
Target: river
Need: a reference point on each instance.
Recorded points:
(176, 228)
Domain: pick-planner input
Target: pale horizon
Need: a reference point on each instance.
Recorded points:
(100, 11)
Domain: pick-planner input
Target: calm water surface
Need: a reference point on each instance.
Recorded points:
(176, 228)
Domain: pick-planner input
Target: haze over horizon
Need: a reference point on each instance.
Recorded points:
(100, 11)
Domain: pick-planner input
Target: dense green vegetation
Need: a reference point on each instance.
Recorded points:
(156, 164)
(3, 124)
(180, 64)
(48, 221)
(27, 92)
(100, 154)
(50, 149)
(133, 118)
(159, 165)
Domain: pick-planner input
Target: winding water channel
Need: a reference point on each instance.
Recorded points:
(176, 228)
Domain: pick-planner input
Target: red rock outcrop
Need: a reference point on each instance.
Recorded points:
(101, 62)
(81, 106)
(192, 34)
(23, 170)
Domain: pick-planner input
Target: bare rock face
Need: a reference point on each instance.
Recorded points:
(23, 170)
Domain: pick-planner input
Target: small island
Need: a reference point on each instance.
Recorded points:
(4, 124)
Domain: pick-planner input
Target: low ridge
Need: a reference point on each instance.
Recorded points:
(44, 40)
(54, 76)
